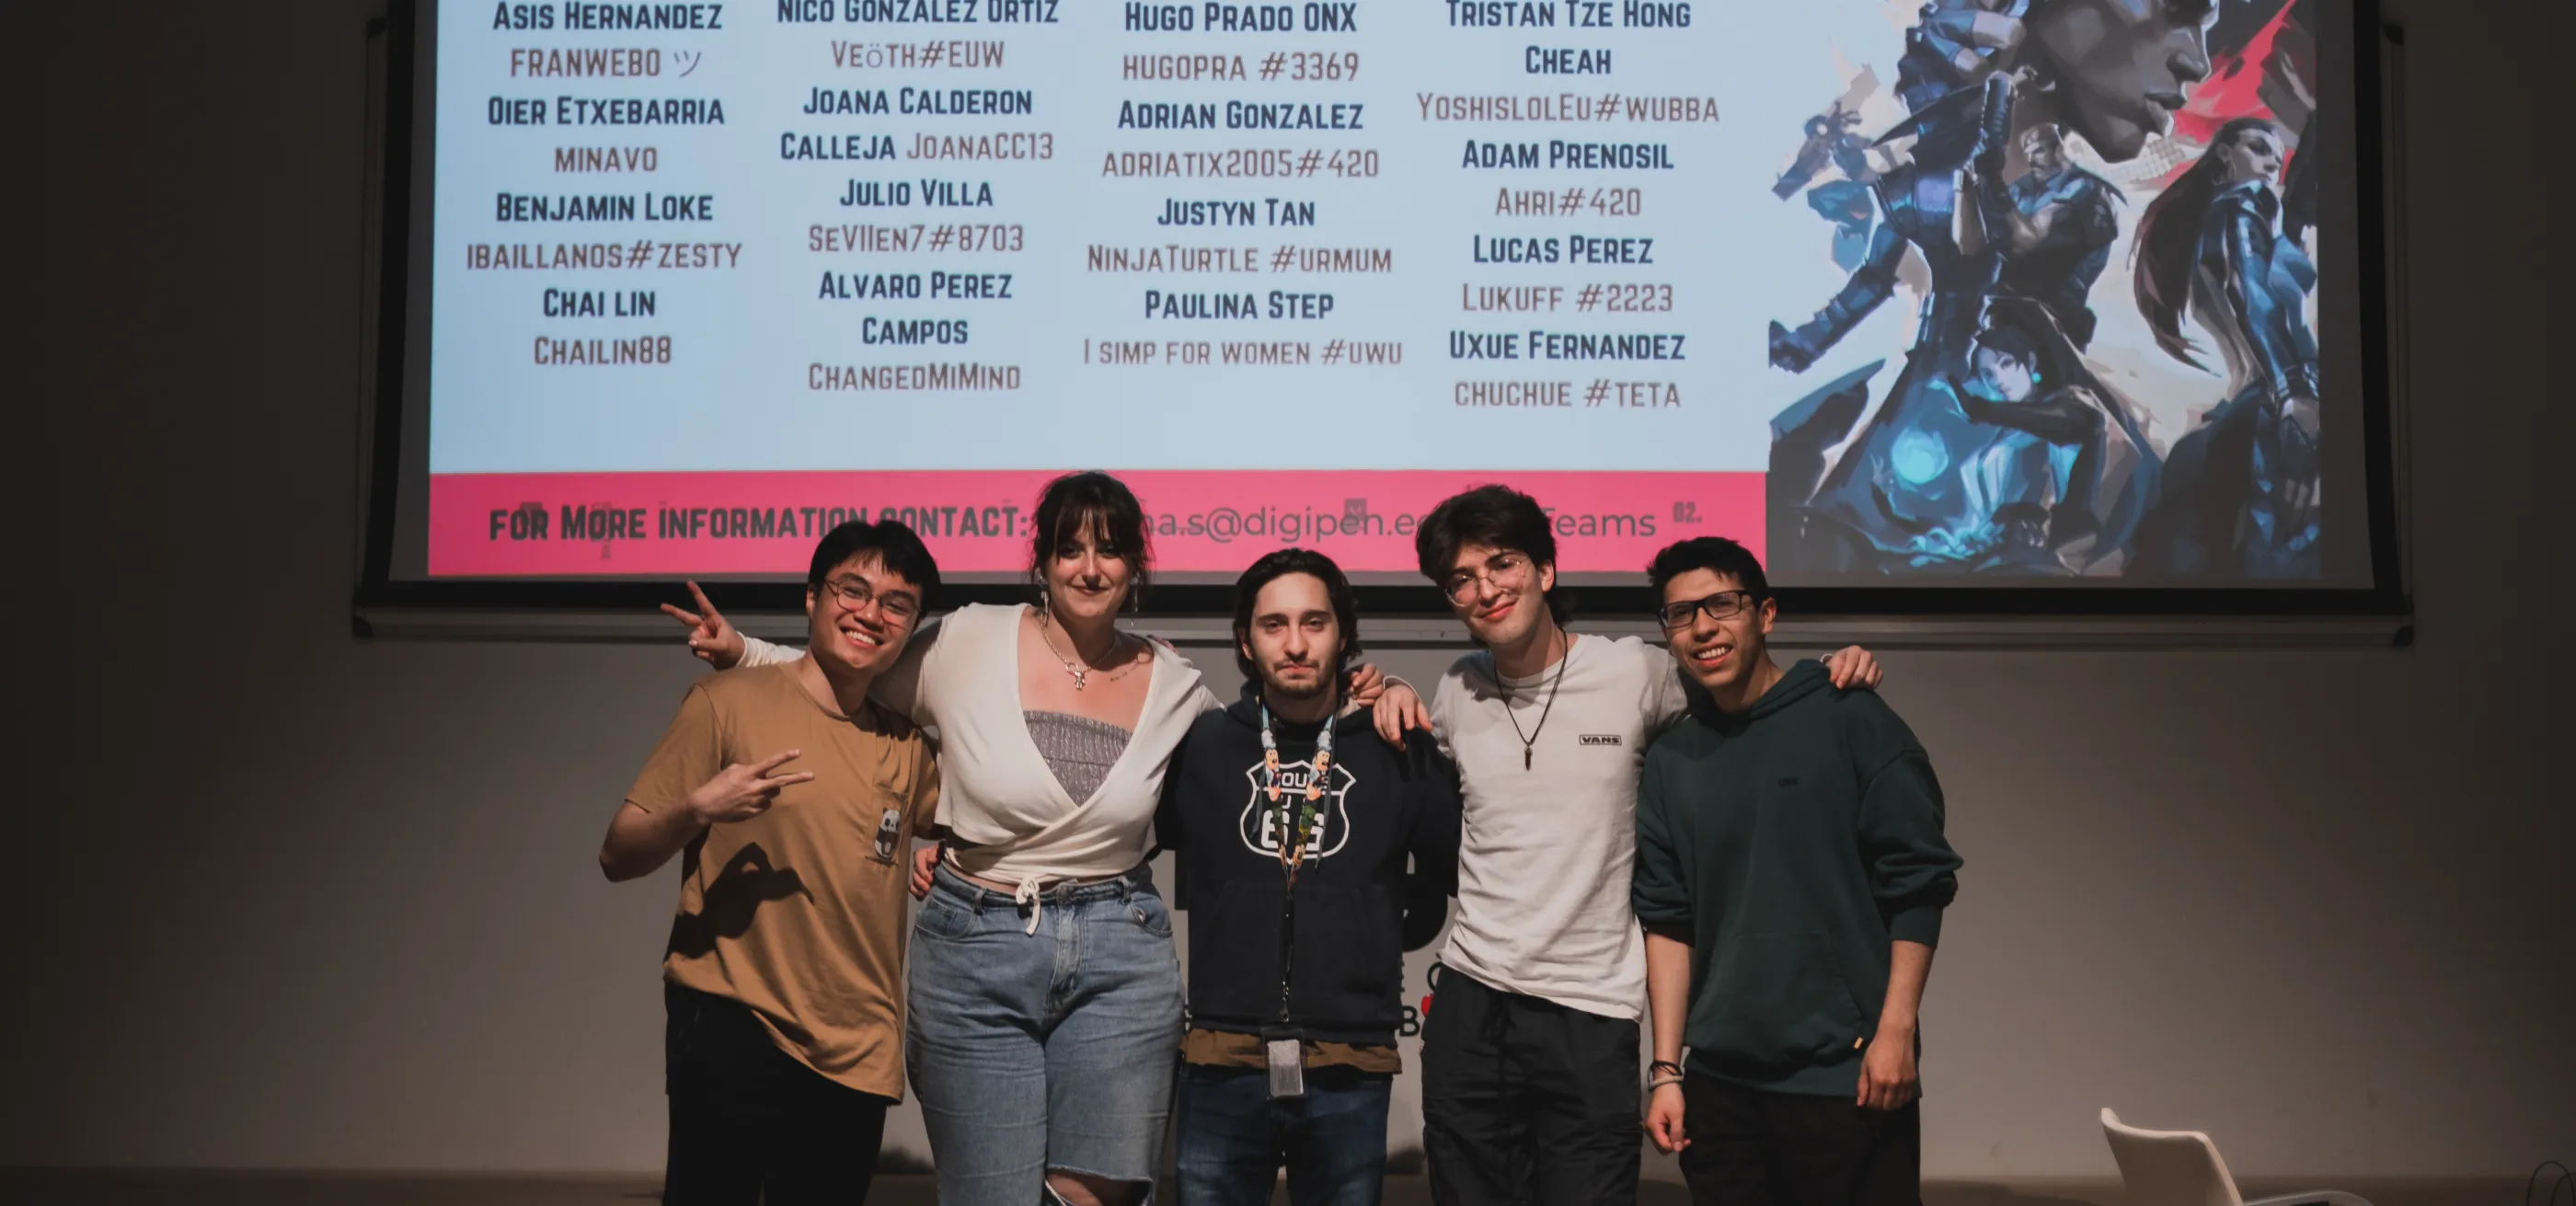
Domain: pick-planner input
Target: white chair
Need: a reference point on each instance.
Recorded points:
(2182, 1168)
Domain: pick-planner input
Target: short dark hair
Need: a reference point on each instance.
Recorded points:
(1274, 566)
(1076, 501)
(1493, 515)
(2009, 339)
(898, 549)
(1716, 554)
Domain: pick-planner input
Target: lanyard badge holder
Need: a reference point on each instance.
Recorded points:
(1284, 1045)
(1287, 1054)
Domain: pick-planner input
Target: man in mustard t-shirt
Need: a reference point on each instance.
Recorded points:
(792, 802)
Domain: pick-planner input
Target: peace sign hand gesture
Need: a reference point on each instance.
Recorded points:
(742, 791)
(713, 638)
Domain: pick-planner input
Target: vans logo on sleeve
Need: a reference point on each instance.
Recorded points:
(1609, 739)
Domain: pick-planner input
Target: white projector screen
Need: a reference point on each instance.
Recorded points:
(2003, 294)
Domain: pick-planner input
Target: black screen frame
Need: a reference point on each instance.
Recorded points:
(379, 590)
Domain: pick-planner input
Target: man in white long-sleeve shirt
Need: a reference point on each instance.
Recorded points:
(1530, 1053)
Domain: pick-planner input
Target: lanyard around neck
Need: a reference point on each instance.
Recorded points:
(1297, 818)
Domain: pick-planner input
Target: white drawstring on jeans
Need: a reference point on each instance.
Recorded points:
(1031, 895)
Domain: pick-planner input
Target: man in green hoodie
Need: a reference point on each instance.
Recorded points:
(1791, 873)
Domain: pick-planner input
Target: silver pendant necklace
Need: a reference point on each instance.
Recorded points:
(1081, 673)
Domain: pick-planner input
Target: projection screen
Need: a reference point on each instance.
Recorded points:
(2052, 304)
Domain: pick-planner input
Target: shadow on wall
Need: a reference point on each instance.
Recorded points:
(746, 883)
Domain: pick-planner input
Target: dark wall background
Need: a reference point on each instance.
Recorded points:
(281, 898)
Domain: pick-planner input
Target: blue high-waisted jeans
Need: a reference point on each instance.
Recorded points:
(1042, 1051)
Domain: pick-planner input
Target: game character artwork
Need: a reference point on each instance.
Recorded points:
(2100, 215)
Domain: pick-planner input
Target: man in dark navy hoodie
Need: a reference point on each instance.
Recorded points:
(1293, 825)
(1791, 872)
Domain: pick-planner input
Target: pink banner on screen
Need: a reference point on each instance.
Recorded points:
(672, 524)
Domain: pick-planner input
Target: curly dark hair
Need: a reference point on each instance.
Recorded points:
(1493, 515)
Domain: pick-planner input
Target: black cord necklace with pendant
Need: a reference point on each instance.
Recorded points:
(1530, 741)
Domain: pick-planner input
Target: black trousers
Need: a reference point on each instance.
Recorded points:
(1526, 1102)
(747, 1120)
(1751, 1148)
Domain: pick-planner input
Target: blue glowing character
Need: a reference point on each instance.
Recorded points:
(1975, 76)
(2066, 444)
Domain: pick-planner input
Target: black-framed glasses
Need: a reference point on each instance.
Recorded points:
(1505, 570)
(1724, 605)
(855, 593)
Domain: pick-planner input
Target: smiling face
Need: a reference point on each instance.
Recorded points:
(1294, 639)
(1087, 575)
(1499, 593)
(2122, 66)
(859, 619)
(1718, 654)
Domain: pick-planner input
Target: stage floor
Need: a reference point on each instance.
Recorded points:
(46, 1187)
